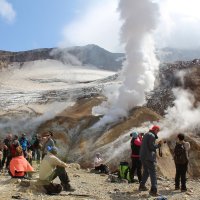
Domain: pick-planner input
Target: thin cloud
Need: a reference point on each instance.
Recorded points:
(6, 11)
(99, 25)
(179, 24)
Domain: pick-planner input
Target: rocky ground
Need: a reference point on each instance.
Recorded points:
(91, 186)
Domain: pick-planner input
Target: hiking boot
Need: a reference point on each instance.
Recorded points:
(183, 189)
(154, 193)
(143, 188)
(177, 188)
(68, 188)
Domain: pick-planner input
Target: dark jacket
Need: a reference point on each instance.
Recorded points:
(148, 147)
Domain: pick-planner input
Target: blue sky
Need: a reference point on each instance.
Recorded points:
(37, 23)
(30, 24)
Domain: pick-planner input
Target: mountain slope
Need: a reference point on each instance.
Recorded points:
(85, 55)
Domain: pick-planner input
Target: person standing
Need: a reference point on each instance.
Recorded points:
(136, 142)
(181, 158)
(48, 143)
(36, 147)
(148, 159)
(24, 144)
(7, 150)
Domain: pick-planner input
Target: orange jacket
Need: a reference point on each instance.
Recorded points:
(19, 165)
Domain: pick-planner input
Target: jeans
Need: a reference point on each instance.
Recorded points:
(181, 170)
(149, 170)
(136, 165)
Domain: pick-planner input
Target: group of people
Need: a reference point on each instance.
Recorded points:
(16, 154)
(143, 156)
(8, 148)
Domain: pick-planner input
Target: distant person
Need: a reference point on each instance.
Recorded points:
(1, 154)
(36, 147)
(48, 142)
(148, 159)
(19, 166)
(29, 156)
(7, 150)
(51, 167)
(24, 144)
(181, 158)
(14, 145)
(99, 164)
(136, 142)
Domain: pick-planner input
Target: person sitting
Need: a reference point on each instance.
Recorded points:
(19, 166)
(51, 167)
(99, 164)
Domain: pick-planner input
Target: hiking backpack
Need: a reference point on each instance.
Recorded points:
(124, 171)
(180, 156)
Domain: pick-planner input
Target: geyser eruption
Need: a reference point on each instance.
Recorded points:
(139, 21)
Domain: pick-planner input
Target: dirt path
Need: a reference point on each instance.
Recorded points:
(90, 186)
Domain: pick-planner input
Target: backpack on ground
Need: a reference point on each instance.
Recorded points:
(180, 156)
(124, 171)
(53, 188)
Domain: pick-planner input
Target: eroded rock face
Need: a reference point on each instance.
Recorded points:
(170, 77)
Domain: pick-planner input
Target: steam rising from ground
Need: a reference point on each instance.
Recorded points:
(38, 91)
(183, 117)
(138, 71)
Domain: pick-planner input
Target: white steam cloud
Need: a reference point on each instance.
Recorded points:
(183, 117)
(138, 72)
(179, 24)
(6, 11)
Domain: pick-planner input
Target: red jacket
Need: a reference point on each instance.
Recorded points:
(19, 165)
(135, 147)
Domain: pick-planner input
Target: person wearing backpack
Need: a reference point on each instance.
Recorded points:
(148, 159)
(136, 142)
(181, 162)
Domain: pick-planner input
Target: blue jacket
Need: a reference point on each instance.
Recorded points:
(148, 147)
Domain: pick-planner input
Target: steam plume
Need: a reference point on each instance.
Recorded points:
(138, 72)
(182, 117)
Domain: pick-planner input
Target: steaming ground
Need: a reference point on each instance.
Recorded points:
(42, 83)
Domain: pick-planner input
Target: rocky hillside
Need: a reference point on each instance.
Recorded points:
(85, 55)
(180, 74)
